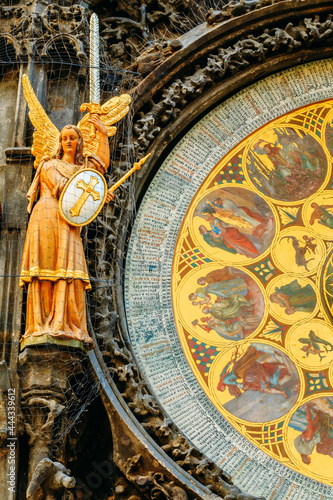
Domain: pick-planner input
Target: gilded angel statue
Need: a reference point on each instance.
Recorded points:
(54, 268)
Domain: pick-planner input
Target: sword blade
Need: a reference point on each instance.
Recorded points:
(94, 90)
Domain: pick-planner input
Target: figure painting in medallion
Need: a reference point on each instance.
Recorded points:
(236, 221)
(259, 383)
(287, 164)
(303, 249)
(294, 297)
(314, 421)
(231, 303)
(54, 266)
(322, 213)
(313, 344)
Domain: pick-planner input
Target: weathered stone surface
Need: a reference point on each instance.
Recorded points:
(182, 77)
(17, 180)
(45, 376)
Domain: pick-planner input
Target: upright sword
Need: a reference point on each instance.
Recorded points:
(94, 106)
(95, 95)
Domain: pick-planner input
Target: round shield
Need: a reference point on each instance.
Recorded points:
(83, 197)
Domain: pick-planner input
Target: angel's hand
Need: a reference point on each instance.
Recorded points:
(109, 196)
(98, 124)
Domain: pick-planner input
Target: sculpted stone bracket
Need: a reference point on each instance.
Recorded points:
(239, 44)
(45, 378)
(24, 28)
(149, 467)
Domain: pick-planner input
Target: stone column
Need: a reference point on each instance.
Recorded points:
(46, 374)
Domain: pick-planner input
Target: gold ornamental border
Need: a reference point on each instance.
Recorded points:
(298, 465)
(292, 218)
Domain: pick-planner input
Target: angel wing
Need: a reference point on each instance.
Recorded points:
(46, 136)
(112, 111)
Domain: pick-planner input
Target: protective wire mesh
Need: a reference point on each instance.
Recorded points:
(53, 308)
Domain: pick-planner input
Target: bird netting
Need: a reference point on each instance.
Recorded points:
(54, 278)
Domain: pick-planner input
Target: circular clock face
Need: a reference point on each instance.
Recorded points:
(229, 285)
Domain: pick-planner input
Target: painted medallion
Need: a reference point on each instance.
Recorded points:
(286, 163)
(256, 382)
(229, 285)
(233, 224)
(310, 438)
(225, 304)
(253, 298)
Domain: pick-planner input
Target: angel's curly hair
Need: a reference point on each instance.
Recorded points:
(79, 159)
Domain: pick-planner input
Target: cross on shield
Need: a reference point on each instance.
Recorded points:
(83, 197)
(88, 190)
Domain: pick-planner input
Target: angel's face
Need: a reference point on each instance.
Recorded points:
(69, 141)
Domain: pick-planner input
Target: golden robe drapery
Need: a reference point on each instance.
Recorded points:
(54, 265)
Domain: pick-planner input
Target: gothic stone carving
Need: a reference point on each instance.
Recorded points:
(46, 391)
(154, 485)
(149, 32)
(236, 8)
(228, 60)
(49, 481)
(146, 31)
(221, 63)
(32, 34)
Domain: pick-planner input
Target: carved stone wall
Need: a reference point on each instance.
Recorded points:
(187, 62)
(218, 59)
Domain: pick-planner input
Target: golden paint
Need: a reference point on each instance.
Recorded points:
(88, 190)
(298, 254)
(221, 398)
(46, 135)
(330, 374)
(328, 286)
(328, 122)
(285, 254)
(83, 196)
(321, 466)
(267, 163)
(53, 275)
(303, 351)
(195, 222)
(187, 313)
(320, 220)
